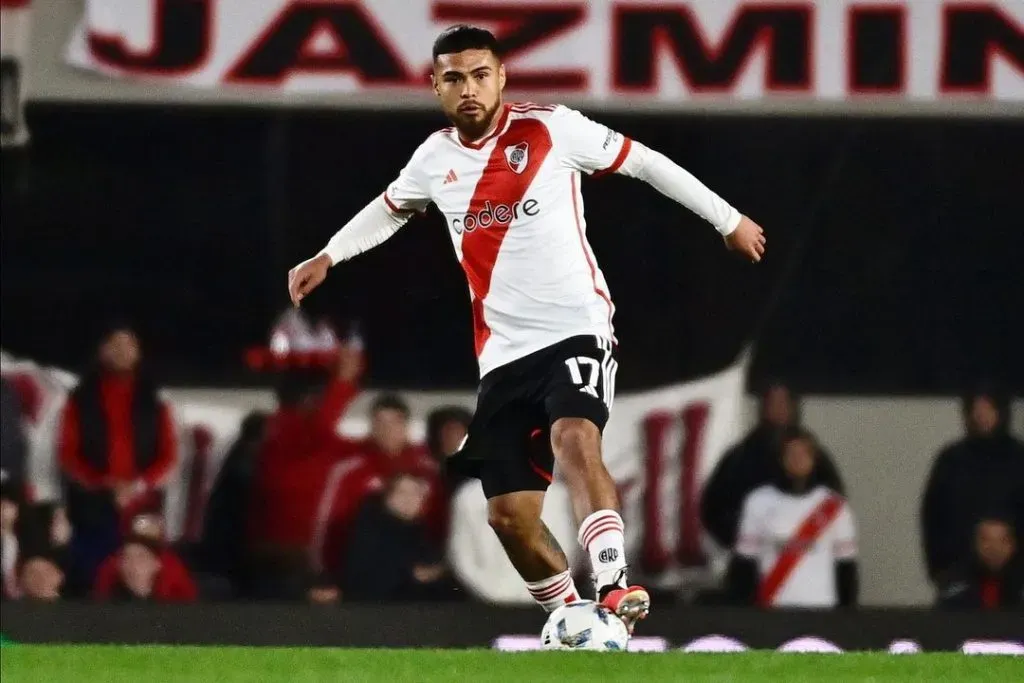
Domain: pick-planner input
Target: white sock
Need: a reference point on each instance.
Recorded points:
(601, 535)
(554, 591)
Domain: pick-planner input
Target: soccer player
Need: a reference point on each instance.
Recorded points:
(506, 177)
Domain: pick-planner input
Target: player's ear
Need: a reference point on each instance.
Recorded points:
(501, 76)
(435, 84)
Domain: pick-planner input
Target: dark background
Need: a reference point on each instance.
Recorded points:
(896, 247)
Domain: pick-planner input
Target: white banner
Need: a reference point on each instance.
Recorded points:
(601, 53)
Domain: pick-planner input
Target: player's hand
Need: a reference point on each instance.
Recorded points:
(747, 239)
(307, 276)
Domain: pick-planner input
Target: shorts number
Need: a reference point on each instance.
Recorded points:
(576, 374)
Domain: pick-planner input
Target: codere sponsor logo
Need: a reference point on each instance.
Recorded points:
(490, 216)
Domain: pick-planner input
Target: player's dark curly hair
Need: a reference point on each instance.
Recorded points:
(464, 37)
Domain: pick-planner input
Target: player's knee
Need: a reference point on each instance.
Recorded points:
(576, 442)
(510, 523)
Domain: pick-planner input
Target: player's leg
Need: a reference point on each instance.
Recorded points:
(500, 452)
(578, 407)
(532, 549)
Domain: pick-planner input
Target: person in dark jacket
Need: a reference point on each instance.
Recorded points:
(983, 471)
(222, 549)
(993, 579)
(117, 446)
(753, 462)
(390, 557)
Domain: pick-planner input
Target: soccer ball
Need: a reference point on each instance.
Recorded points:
(584, 625)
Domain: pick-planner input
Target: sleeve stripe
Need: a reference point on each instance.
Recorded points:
(391, 205)
(623, 153)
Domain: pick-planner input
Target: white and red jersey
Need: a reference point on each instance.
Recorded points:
(515, 215)
(797, 539)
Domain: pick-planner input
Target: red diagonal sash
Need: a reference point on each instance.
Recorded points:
(806, 534)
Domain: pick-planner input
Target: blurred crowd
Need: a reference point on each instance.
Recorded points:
(297, 512)
(763, 489)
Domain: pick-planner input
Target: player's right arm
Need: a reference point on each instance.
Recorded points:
(593, 148)
(378, 221)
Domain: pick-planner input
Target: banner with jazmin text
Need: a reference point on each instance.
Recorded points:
(598, 53)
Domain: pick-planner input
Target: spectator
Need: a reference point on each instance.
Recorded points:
(388, 445)
(144, 569)
(117, 445)
(221, 550)
(13, 442)
(754, 462)
(994, 576)
(447, 428)
(981, 472)
(383, 455)
(324, 591)
(390, 556)
(390, 453)
(293, 468)
(40, 576)
(797, 544)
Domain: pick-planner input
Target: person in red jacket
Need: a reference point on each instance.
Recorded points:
(144, 569)
(391, 453)
(300, 448)
(117, 445)
(368, 463)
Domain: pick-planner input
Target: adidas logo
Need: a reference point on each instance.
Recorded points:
(450, 178)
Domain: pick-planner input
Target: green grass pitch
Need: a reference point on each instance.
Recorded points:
(88, 664)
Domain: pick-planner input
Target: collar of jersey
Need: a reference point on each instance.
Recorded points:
(498, 129)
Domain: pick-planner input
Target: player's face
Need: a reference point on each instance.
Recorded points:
(469, 85)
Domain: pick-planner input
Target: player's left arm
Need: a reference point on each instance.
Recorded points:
(596, 149)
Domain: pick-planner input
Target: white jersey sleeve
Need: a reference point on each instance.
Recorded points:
(678, 184)
(594, 148)
(844, 542)
(587, 145)
(410, 191)
(752, 536)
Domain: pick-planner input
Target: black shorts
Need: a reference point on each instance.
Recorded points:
(508, 447)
